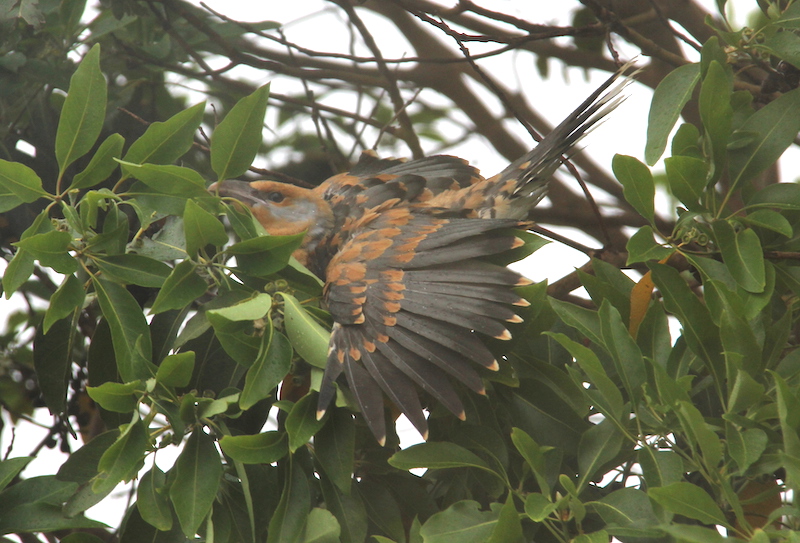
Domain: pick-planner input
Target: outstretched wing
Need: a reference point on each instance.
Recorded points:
(409, 297)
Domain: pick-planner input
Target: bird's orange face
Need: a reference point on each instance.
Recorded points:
(281, 209)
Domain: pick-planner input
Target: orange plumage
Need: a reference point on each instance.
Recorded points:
(400, 247)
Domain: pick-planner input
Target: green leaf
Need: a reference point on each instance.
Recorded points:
(462, 522)
(741, 251)
(182, 287)
(334, 448)
(642, 247)
(672, 93)
(745, 447)
(68, 297)
(534, 455)
(83, 112)
(52, 358)
(322, 527)
(133, 269)
(237, 138)
(176, 369)
(623, 350)
(123, 459)
(716, 113)
(538, 507)
(769, 220)
(51, 249)
(700, 434)
(269, 368)
(11, 467)
(17, 272)
(687, 180)
(18, 184)
(81, 466)
(508, 528)
(599, 444)
(263, 448)
(637, 184)
(660, 467)
(102, 164)
(198, 472)
(690, 501)
(289, 519)
(129, 330)
(117, 397)
(201, 228)
(437, 455)
(171, 180)
(152, 500)
(164, 143)
(264, 255)
(309, 339)
(249, 309)
(608, 398)
(42, 517)
(777, 125)
(302, 423)
(238, 341)
(699, 330)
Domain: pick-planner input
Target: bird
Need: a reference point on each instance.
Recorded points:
(401, 247)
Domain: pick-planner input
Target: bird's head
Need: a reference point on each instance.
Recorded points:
(282, 209)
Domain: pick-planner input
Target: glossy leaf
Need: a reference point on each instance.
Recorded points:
(264, 255)
(462, 522)
(102, 164)
(302, 423)
(690, 501)
(129, 330)
(152, 500)
(263, 448)
(237, 138)
(171, 180)
(165, 142)
(176, 369)
(201, 228)
(309, 339)
(181, 287)
(10, 467)
(637, 184)
(334, 446)
(437, 455)
(289, 520)
(269, 368)
(122, 461)
(777, 125)
(83, 112)
(52, 358)
(741, 251)
(197, 478)
(51, 250)
(672, 93)
(687, 180)
(321, 527)
(716, 113)
(249, 309)
(69, 297)
(133, 269)
(642, 247)
(18, 184)
(118, 397)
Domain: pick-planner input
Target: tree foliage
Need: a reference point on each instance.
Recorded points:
(163, 328)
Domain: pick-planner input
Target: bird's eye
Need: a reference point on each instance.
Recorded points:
(276, 197)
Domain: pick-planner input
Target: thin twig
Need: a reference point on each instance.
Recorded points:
(409, 136)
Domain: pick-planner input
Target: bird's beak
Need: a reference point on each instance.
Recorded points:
(238, 190)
